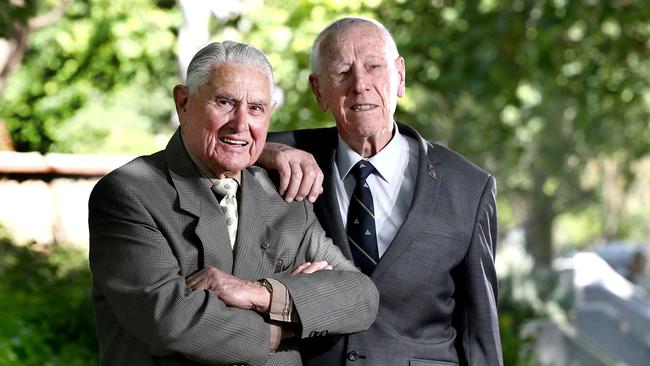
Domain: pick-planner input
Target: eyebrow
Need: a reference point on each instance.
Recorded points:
(231, 97)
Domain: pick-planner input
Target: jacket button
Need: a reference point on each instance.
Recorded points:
(353, 355)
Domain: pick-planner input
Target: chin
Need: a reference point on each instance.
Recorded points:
(232, 165)
(369, 131)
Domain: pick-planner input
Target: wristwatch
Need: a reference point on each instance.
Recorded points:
(267, 285)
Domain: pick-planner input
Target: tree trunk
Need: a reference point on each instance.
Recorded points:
(539, 226)
(11, 53)
(13, 49)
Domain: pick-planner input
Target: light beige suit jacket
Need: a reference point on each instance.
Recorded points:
(152, 223)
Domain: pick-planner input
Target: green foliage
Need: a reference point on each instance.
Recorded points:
(512, 318)
(531, 90)
(525, 294)
(105, 69)
(46, 307)
(12, 12)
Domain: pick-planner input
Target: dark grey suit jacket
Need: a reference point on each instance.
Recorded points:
(437, 282)
(153, 223)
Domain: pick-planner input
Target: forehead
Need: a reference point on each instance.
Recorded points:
(242, 80)
(353, 41)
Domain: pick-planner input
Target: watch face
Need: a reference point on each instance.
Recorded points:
(267, 285)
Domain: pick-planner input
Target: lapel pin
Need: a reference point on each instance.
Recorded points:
(432, 172)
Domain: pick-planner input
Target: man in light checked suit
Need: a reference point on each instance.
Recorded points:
(177, 280)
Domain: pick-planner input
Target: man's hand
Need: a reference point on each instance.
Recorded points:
(300, 175)
(309, 267)
(233, 291)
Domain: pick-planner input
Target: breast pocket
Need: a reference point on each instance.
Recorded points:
(279, 251)
(422, 362)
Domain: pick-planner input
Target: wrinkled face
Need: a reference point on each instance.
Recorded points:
(359, 82)
(224, 123)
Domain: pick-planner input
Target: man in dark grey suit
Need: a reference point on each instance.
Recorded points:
(177, 280)
(431, 231)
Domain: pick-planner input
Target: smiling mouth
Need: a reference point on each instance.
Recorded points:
(233, 142)
(362, 107)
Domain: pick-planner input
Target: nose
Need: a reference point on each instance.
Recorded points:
(238, 120)
(359, 81)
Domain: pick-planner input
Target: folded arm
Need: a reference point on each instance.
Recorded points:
(135, 269)
(339, 301)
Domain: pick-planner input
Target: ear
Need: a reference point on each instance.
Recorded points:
(315, 88)
(181, 96)
(401, 73)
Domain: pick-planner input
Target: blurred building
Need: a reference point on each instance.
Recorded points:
(611, 315)
(44, 198)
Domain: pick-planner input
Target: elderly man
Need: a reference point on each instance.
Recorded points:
(415, 216)
(183, 275)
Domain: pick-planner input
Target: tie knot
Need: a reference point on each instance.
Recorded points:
(225, 187)
(362, 169)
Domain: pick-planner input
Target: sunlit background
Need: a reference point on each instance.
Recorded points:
(552, 97)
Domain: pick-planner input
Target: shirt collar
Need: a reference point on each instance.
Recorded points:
(385, 161)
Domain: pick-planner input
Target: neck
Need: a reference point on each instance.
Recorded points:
(368, 146)
(234, 175)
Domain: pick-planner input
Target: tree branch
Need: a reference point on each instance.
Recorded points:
(45, 20)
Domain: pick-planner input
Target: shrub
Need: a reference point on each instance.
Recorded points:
(45, 303)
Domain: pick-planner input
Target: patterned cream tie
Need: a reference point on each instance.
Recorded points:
(227, 188)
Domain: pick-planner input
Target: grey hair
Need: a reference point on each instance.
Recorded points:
(228, 52)
(343, 24)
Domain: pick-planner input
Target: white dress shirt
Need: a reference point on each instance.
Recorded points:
(392, 185)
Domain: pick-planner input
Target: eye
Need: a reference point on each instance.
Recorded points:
(340, 72)
(224, 104)
(256, 109)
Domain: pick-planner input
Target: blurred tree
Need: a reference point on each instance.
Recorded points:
(17, 20)
(533, 90)
(45, 302)
(97, 80)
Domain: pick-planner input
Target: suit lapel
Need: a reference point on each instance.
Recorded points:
(327, 206)
(253, 229)
(197, 199)
(422, 209)
(420, 214)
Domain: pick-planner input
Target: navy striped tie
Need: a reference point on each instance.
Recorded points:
(362, 234)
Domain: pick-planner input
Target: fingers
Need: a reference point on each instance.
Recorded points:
(300, 176)
(194, 279)
(294, 181)
(300, 268)
(206, 278)
(306, 180)
(197, 282)
(316, 188)
(309, 267)
(284, 171)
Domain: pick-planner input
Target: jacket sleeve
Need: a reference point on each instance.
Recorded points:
(478, 341)
(283, 137)
(137, 278)
(339, 301)
(311, 140)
